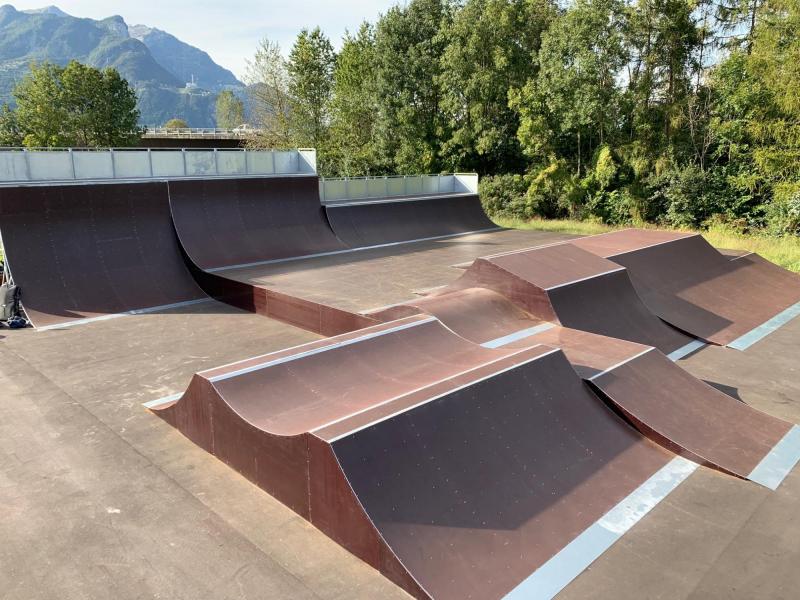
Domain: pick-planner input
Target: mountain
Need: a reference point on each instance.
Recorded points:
(157, 64)
(183, 60)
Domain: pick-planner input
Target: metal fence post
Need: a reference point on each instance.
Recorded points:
(113, 164)
(183, 154)
(216, 162)
(150, 161)
(72, 162)
(27, 164)
(274, 168)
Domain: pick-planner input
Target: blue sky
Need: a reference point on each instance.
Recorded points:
(229, 29)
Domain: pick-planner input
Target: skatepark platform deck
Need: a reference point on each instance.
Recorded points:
(103, 499)
(367, 279)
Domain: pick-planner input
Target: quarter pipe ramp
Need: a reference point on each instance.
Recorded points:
(224, 223)
(376, 222)
(85, 251)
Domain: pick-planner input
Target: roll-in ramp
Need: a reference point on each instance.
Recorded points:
(84, 251)
(688, 283)
(456, 470)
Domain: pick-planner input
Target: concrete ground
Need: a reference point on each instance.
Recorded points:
(101, 499)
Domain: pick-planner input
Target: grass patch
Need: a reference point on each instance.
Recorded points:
(783, 251)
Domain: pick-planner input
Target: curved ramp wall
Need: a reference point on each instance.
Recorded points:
(225, 223)
(375, 222)
(87, 251)
(693, 286)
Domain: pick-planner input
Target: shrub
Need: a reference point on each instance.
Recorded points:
(504, 195)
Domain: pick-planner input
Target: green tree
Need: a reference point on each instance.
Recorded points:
(351, 147)
(10, 133)
(229, 110)
(268, 92)
(176, 124)
(76, 105)
(573, 106)
(492, 48)
(411, 124)
(310, 67)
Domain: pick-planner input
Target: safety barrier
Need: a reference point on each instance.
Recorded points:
(69, 164)
(339, 189)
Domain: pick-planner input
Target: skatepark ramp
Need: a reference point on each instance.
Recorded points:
(456, 470)
(574, 288)
(233, 223)
(663, 401)
(375, 211)
(86, 251)
(103, 243)
(688, 283)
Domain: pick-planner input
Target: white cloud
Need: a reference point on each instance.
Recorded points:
(229, 30)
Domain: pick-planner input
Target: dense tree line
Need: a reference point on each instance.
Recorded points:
(620, 110)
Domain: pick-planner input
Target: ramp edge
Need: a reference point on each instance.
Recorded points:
(554, 575)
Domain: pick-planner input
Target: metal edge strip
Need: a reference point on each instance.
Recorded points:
(555, 574)
(779, 462)
(763, 330)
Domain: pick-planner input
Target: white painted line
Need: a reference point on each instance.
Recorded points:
(395, 199)
(763, 330)
(683, 237)
(686, 350)
(348, 250)
(745, 255)
(429, 400)
(554, 575)
(164, 400)
(138, 311)
(553, 287)
(319, 350)
(517, 335)
(779, 462)
(622, 362)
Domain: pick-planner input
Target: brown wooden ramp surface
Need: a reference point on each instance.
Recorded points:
(85, 251)
(224, 223)
(233, 223)
(570, 286)
(387, 221)
(687, 282)
(458, 471)
(663, 401)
